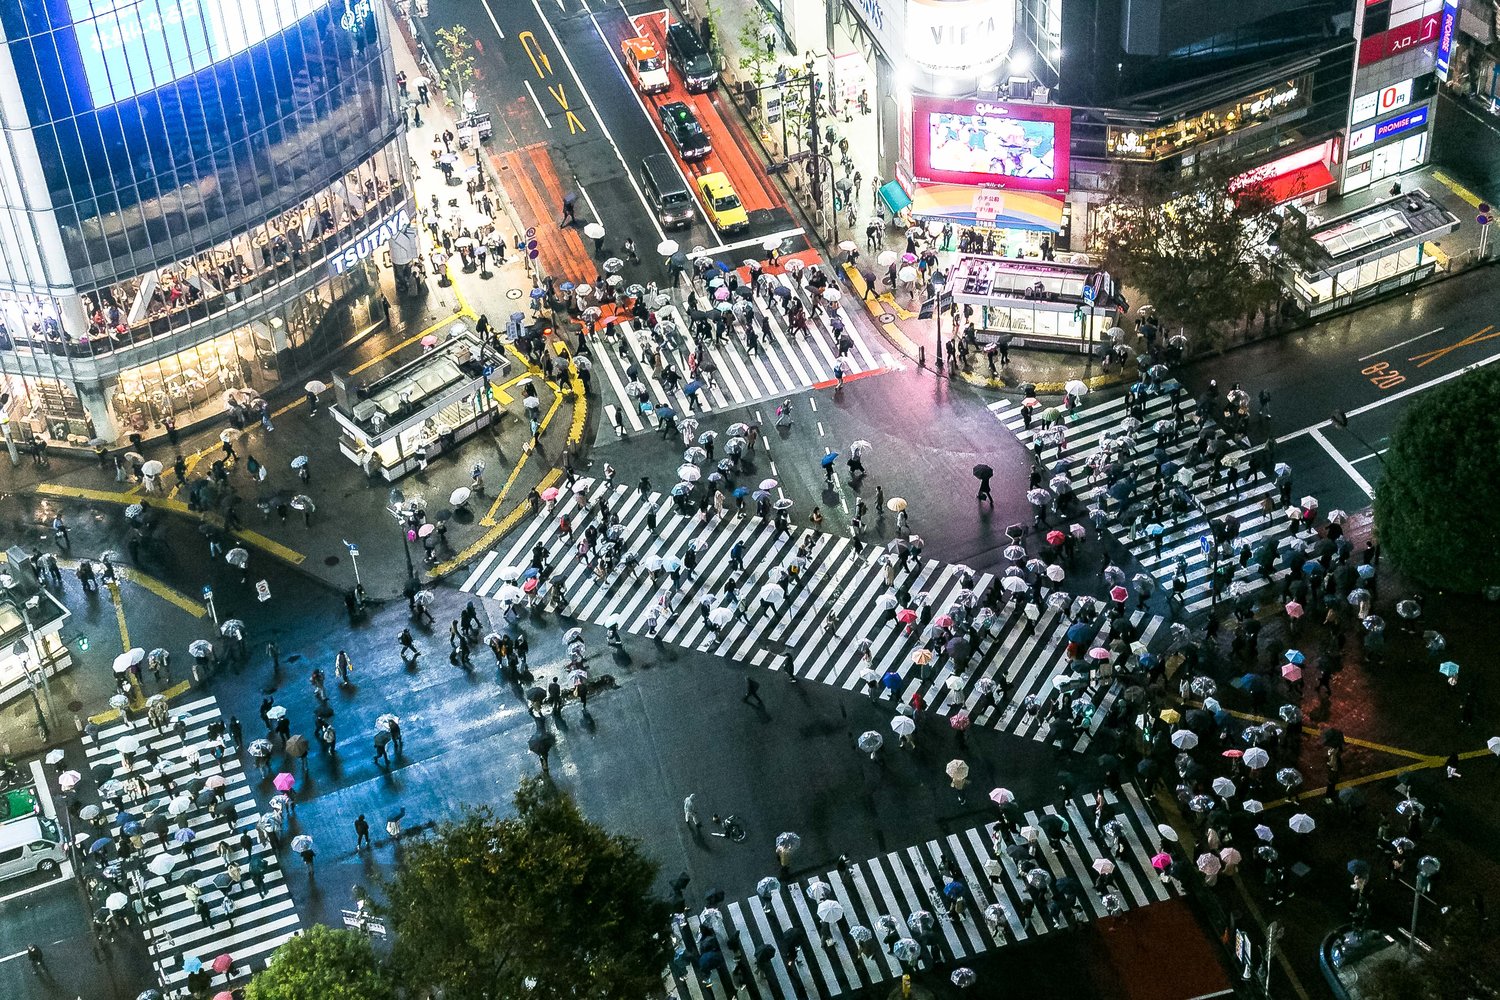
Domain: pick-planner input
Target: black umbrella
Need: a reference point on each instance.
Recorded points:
(1333, 737)
(541, 742)
(1198, 720)
(102, 772)
(535, 694)
(1055, 825)
(983, 471)
(1018, 851)
(205, 797)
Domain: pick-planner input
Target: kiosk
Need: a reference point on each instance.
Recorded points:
(1047, 303)
(423, 408)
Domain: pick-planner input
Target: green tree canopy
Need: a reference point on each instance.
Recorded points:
(1437, 499)
(542, 906)
(1463, 964)
(1193, 242)
(325, 963)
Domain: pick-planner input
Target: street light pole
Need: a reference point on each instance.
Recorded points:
(938, 284)
(1427, 867)
(397, 498)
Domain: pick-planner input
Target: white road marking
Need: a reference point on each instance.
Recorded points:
(1387, 400)
(493, 20)
(1403, 343)
(1343, 463)
(535, 100)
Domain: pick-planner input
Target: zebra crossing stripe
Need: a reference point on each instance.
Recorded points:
(173, 929)
(799, 635)
(902, 882)
(1181, 537)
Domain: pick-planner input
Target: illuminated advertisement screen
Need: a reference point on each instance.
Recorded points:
(1023, 147)
(129, 47)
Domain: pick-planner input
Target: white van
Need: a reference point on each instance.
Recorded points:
(29, 844)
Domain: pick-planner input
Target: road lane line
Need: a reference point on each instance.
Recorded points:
(1373, 454)
(1403, 343)
(1343, 462)
(1387, 400)
(589, 100)
(493, 21)
(538, 102)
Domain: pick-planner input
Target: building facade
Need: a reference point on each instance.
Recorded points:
(193, 195)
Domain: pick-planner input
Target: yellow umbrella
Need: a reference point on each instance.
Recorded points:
(1170, 716)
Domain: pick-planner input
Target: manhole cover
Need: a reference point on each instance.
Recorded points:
(887, 318)
(330, 560)
(74, 706)
(513, 293)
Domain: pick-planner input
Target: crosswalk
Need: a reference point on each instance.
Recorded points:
(830, 627)
(879, 897)
(262, 918)
(784, 362)
(1179, 540)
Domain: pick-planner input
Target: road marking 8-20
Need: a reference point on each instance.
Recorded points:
(1382, 375)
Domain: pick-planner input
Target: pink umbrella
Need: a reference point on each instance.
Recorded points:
(721, 294)
(906, 616)
(1291, 671)
(225, 995)
(529, 585)
(1161, 861)
(429, 341)
(1293, 609)
(1099, 653)
(1118, 594)
(943, 621)
(284, 781)
(550, 494)
(959, 720)
(1002, 796)
(223, 963)
(1233, 754)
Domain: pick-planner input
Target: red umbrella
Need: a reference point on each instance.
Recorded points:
(1233, 754)
(223, 963)
(906, 616)
(529, 585)
(1055, 537)
(284, 781)
(225, 995)
(1118, 594)
(943, 621)
(959, 720)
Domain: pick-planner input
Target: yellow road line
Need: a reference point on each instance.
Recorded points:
(414, 338)
(1317, 731)
(166, 592)
(254, 538)
(1457, 188)
(139, 703)
(495, 533)
(114, 596)
(489, 517)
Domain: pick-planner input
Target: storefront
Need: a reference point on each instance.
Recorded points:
(1369, 252)
(400, 420)
(1148, 141)
(1300, 178)
(1051, 303)
(31, 645)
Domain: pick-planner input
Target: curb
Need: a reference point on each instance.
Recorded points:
(909, 347)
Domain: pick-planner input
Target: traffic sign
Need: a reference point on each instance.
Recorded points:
(263, 591)
(208, 593)
(1206, 544)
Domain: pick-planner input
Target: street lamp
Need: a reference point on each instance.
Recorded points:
(397, 499)
(21, 650)
(939, 282)
(1341, 420)
(1427, 867)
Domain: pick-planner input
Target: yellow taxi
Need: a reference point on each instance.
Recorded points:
(723, 204)
(645, 65)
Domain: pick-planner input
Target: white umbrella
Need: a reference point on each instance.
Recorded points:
(772, 593)
(1167, 833)
(1184, 739)
(907, 273)
(870, 742)
(902, 725)
(667, 247)
(1223, 787)
(958, 770)
(689, 473)
(152, 468)
(1103, 866)
(1076, 388)
(237, 558)
(1302, 823)
(315, 387)
(830, 912)
(1256, 757)
(128, 744)
(887, 257)
(594, 231)
(1253, 806)
(721, 616)
(1002, 796)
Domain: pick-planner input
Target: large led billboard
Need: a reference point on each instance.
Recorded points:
(1023, 147)
(130, 47)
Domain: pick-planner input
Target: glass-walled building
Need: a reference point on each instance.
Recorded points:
(193, 194)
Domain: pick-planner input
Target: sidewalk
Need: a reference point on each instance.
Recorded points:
(348, 505)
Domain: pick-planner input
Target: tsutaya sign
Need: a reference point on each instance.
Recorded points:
(941, 37)
(378, 236)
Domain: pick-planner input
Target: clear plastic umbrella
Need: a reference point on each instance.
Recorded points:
(902, 725)
(870, 742)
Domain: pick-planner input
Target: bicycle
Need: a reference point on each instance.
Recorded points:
(733, 829)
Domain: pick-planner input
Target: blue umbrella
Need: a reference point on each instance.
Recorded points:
(1149, 660)
(1358, 868)
(103, 843)
(1365, 571)
(828, 459)
(722, 266)
(761, 495)
(891, 680)
(531, 571)
(1243, 682)
(741, 491)
(567, 286)
(1448, 668)
(185, 836)
(1121, 490)
(1312, 568)
(1157, 530)
(782, 291)
(192, 964)
(692, 387)
(517, 317)
(1295, 656)
(682, 489)
(131, 829)
(538, 293)
(665, 411)
(1079, 632)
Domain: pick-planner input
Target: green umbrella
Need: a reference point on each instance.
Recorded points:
(1050, 414)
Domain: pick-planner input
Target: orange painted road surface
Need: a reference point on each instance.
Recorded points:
(536, 189)
(732, 154)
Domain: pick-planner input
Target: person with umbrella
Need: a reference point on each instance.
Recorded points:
(984, 473)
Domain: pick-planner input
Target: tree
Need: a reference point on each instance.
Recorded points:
(758, 53)
(1464, 964)
(542, 906)
(1436, 502)
(325, 963)
(1195, 243)
(458, 51)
